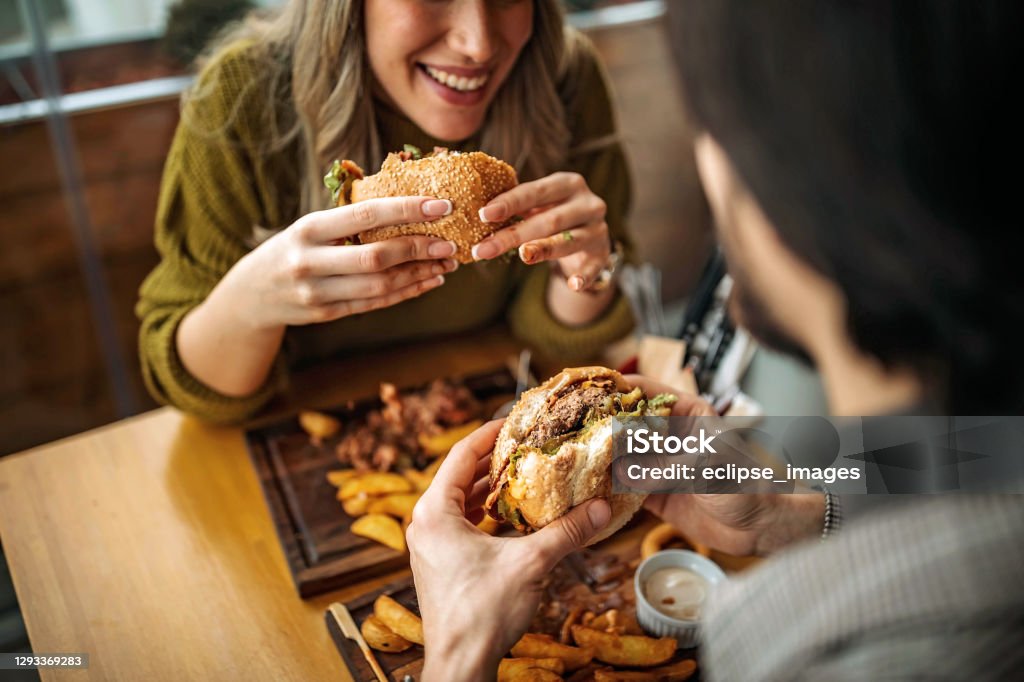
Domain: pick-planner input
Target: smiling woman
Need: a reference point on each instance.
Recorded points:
(250, 258)
(443, 62)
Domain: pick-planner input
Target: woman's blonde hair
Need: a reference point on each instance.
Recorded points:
(315, 57)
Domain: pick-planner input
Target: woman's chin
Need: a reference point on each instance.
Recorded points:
(449, 128)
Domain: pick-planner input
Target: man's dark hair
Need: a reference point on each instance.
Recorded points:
(882, 141)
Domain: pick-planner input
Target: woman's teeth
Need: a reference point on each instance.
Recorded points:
(460, 83)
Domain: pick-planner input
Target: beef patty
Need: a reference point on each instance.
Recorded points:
(567, 414)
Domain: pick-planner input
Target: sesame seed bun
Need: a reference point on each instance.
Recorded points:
(469, 180)
(555, 451)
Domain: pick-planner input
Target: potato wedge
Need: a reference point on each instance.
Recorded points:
(381, 637)
(398, 505)
(587, 672)
(609, 621)
(520, 669)
(339, 477)
(381, 528)
(398, 619)
(676, 672)
(318, 425)
(625, 650)
(624, 676)
(573, 617)
(431, 469)
(375, 483)
(356, 506)
(420, 481)
(439, 444)
(533, 645)
(488, 525)
(534, 675)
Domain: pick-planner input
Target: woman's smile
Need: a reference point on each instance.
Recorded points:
(442, 63)
(455, 85)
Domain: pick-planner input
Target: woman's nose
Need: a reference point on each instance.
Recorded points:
(471, 32)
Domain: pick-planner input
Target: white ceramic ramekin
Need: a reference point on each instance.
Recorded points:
(657, 624)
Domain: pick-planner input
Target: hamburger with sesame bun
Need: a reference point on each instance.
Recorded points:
(468, 179)
(555, 449)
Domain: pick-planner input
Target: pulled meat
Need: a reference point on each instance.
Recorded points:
(567, 414)
(565, 590)
(391, 433)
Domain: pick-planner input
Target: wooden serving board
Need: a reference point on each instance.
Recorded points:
(623, 547)
(313, 529)
(395, 665)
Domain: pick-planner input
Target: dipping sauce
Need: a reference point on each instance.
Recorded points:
(676, 593)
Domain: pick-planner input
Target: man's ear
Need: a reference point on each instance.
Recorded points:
(783, 281)
(736, 210)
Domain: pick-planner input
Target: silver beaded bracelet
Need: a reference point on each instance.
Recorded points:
(833, 516)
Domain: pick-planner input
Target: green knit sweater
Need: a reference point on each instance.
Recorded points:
(220, 181)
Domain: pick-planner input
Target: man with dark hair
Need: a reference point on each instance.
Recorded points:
(852, 156)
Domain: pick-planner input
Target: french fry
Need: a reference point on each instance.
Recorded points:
(635, 651)
(520, 669)
(318, 425)
(439, 444)
(338, 477)
(381, 637)
(381, 528)
(356, 506)
(398, 619)
(375, 483)
(488, 524)
(533, 645)
(398, 505)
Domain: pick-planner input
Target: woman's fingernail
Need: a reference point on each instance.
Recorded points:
(492, 214)
(485, 250)
(435, 281)
(451, 265)
(576, 283)
(436, 207)
(528, 254)
(441, 249)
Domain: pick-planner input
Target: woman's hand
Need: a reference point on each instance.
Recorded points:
(478, 593)
(739, 524)
(301, 275)
(563, 221)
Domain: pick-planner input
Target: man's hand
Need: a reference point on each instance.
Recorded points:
(478, 593)
(740, 524)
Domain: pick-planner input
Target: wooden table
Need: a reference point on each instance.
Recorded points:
(147, 543)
